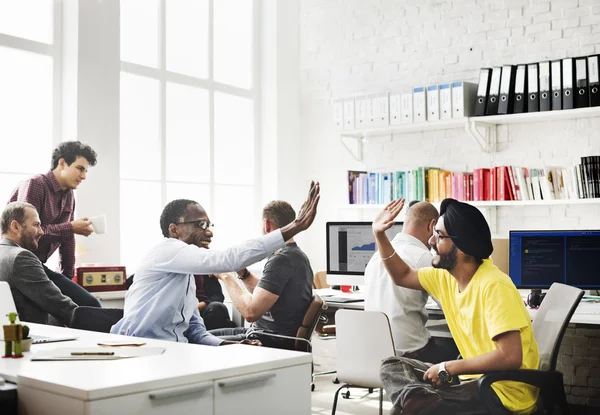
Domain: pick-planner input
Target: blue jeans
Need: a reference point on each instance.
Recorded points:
(75, 292)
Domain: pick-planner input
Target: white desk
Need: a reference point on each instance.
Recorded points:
(186, 378)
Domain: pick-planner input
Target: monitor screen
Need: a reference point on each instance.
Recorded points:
(350, 246)
(540, 258)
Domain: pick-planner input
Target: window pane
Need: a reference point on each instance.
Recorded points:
(140, 143)
(8, 183)
(234, 215)
(234, 141)
(29, 19)
(139, 32)
(25, 111)
(233, 42)
(187, 37)
(197, 192)
(188, 143)
(140, 220)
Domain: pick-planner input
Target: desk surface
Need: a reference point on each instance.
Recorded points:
(433, 308)
(180, 364)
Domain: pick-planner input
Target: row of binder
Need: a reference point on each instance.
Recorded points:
(541, 86)
(431, 103)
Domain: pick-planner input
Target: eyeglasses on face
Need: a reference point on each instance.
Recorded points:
(200, 223)
(437, 236)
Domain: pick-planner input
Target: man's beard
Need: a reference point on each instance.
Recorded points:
(28, 242)
(447, 261)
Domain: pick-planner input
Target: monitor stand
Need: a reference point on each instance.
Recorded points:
(534, 299)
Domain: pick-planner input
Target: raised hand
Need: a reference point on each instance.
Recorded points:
(385, 218)
(306, 215)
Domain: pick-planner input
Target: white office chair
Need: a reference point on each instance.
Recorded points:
(549, 326)
(363, 340)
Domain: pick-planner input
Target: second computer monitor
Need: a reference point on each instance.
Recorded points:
(540, 258)
(350, 246)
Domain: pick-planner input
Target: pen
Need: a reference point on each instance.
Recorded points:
(92, 353)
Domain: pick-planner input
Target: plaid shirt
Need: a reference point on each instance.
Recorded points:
(56, 208)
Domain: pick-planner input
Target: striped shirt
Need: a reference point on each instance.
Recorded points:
(56, 208)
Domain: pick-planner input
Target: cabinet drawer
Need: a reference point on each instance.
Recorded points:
(195, 398)
(271, 392)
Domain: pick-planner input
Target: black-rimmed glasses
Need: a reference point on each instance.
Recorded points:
(200, 223)
(437, 236)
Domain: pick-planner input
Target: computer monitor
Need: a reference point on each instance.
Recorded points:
(350, 246)
(540, 258)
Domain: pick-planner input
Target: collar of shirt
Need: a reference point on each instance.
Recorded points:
(53, 182)
(407, 238)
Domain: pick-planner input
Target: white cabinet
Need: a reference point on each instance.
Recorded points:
(270, 392)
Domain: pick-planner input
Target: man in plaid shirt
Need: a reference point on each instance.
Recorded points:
(52, 195)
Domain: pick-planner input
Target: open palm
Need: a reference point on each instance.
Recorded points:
(385, 218)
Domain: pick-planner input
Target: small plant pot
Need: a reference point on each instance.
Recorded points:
(25, 345)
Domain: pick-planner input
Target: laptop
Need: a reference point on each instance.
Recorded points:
(350, 246)
(7, 305)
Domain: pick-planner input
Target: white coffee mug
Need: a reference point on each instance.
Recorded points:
(99, 223)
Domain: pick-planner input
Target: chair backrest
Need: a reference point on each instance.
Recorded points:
(95, 319)
(309, 323)
(363, 340)
(551, 321)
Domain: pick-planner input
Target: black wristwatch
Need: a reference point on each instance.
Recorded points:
(443, 375)
(244, 275)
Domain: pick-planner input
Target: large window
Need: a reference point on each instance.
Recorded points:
(188, 111)
(29, 59)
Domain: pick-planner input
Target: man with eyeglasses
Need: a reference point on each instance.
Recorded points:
(161, 303)
(484, 311)
(277, 302)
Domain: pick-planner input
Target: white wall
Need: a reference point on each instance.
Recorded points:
(355, 46)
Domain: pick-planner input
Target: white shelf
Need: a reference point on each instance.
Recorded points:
(539, 116)
(486, 139)
(501, 203)
(406, 128)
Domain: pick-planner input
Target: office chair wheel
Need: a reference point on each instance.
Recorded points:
(312, 387)
(336, 381)
(346, 395)
(370, 390)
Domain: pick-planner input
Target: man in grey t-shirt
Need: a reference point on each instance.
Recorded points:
(276, 302)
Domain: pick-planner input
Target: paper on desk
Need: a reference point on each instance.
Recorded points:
(119, 353)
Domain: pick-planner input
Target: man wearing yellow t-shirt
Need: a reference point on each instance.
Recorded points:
(484, 311)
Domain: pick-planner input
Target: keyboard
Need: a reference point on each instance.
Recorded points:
(588, 308)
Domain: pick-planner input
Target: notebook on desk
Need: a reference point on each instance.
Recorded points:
(7, 305)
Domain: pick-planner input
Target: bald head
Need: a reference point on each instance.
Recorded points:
(420, 220)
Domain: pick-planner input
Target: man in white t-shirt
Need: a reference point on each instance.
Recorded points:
(406, 308)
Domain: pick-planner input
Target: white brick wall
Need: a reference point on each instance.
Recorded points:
(356, 46)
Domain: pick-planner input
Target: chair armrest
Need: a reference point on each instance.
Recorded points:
(281, 336)
(547, 381)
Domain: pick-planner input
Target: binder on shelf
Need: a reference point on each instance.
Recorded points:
(485, 75)
(433, 103)
(338, 113)
(381, 110)
(582, 90)
(507, 87)
(545, 101)
(445, 102)
(567, 83)
(520, 96)
(349, 114)
(492, 104)
(533, 88)
(395, 109)
(360, 109)
(369, 111)
(406, 102)
(419, 104)
(463, 98)
(556, 82)
(594, 80)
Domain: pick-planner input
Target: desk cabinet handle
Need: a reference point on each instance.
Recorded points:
(185, 390)
(242, 380)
